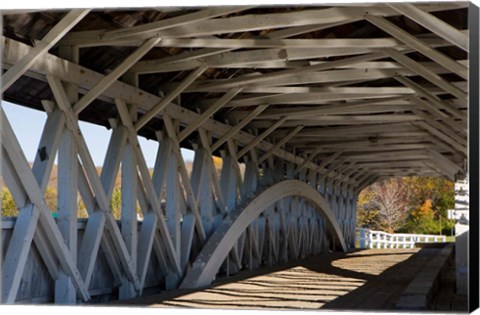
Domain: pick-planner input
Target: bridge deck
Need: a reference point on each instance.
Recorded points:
(367, 280)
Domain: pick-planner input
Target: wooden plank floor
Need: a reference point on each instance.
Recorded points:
(363, 280)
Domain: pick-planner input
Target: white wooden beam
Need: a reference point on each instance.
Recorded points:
(280, 143)
(67, 212)
(342, 120)
(432, 23)
(457, 127)
(13, 149)
(204, 140)
(365, 144)
(47, 148)
(238, 59)
(17, 252)
(242, 23)
(281, 43)
(113, 158)
(173, 211)
(188, 60)
(46, 252)
(220, 243)
(254, 113)
(146, 240)
(192, 202)
(432, 98)
(96, 222)
(429, 127)
(246, 23)
(108, 80)
(129, 214)
(95, 182)
(445, 163)
(157, 108)
(161, 165)
(68, 170)
(260, 137)
(86, 79)
(41, 169)
(304, 98)
(339, 90)
(357, 131)
(427, 74)
(280, 63)
(208, 113)
(41, 47)
(352, 107)
(203, 190)
(147, 30)
(327, 161)
(445, 125)
(248, 80)
(151, 192)
(310, 158)
(418, 45)
(225, 58)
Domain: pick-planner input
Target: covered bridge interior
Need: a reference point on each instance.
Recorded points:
(306, 105)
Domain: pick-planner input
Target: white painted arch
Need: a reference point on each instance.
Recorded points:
(225, 236)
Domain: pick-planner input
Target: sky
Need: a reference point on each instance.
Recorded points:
(28, 126)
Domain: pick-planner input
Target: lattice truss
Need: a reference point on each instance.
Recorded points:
(317, 102)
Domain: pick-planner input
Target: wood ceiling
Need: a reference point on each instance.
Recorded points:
(365, 89)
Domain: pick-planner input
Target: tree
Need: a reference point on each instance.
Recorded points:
(432, 193)
(421, 220)
(367, 214)
(391, 199)
(116, 203)
(9, 208)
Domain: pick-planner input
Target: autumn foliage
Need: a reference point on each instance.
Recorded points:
(408, 204)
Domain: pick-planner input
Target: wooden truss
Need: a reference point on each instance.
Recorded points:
(313, 115)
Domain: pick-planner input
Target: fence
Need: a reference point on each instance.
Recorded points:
(378, 239)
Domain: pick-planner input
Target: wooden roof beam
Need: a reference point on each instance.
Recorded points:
(160, 106)
(148, 30)
(427, 74)
(305, 75)
(432, 98)
(432, 23)
(239, 126)
(329, 120)
(279, 144)
(369, 43)
(418, 45)
(108, 80)
(42, 46)
(260, 137)
(208, 113)
(303, 98)
(431, 127)
(224, 57)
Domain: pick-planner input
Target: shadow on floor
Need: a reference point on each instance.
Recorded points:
(359, 280)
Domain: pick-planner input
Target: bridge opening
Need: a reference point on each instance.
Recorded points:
(421, 205)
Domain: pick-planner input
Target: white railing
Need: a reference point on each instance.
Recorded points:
(378, 239)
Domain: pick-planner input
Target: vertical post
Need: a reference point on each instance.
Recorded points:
(67, 211)
(129, 228)
(65, 292)
(201, 184)
(173, 213)
(363, 238)
(228, 181)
